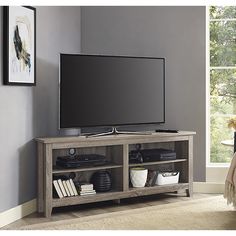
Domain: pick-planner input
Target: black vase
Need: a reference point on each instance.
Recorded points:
(101, 181)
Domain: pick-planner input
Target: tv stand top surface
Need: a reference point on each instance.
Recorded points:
(117, 139)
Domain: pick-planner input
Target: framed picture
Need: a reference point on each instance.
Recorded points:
(19, 51)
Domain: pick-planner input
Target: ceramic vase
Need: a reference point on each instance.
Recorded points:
(138, 177)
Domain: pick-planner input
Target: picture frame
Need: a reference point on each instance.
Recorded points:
(19, 51)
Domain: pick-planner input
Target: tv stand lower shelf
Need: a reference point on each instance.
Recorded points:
(133, 192)
(116, 148)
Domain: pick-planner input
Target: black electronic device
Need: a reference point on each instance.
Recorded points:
(150, 155)
(167, 130)
(135, 157)
(81, 160)
(111, 91)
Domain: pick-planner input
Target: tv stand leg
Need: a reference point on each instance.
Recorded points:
(114, 131)
(189, 192)
(48, 212)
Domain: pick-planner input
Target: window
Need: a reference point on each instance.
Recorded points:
(222, 71)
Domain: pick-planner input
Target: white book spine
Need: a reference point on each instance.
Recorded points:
(69, 187)
(62, 187)
(87, 191)
(83, 194)
(73, 187)
(87, 185)
(65, 186)
(56, 185)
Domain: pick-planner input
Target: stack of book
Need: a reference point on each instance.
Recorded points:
(86, 189)
(65, 188)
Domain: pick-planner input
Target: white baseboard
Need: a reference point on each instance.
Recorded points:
(208, 187)
(17, 213)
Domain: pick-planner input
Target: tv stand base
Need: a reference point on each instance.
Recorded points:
(114, 131)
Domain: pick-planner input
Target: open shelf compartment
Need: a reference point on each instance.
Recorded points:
(180, 164)
(113, 155)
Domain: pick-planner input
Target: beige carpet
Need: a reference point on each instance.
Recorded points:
(208, 213)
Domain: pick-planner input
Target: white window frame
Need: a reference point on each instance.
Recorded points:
(213, 170)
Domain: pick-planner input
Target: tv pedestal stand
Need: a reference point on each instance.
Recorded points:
(114, 131)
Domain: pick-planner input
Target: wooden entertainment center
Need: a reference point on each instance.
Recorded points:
(116, 149)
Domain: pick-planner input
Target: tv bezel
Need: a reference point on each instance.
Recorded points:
(114, 125)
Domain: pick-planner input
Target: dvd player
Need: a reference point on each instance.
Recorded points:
(81, 160)
(150, 155)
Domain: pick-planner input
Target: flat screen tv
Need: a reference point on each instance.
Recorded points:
(111, 91)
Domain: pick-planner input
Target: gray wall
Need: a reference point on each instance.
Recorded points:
(177, 33)
(28, 112)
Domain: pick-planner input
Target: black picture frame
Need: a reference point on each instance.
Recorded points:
(7, 77)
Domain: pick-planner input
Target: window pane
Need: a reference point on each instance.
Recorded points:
(223, 83)
(220, 132)
(222, 108)
(223, 43)
(219, 107)
(222, 12)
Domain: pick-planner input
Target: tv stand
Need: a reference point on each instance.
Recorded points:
(116, 148)
(114, 131)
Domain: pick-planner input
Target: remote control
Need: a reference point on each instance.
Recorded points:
(166, 130)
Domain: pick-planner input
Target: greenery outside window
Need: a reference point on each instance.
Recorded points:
(222, 30)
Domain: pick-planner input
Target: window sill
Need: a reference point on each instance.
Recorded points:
(218, 165)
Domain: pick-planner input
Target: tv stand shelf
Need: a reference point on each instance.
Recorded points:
(57, 170)
(156, 162)
(116, 148)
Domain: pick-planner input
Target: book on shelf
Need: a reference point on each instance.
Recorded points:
(86, 186)
(85, 194)
(57, 188)
(62, 187)
(70, 188)
(151, 178)
(73, 187)
(89, 192)
(66, 188)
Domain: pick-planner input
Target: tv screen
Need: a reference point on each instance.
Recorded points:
(111, 90)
